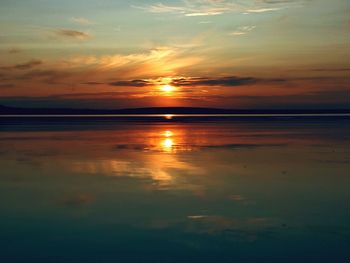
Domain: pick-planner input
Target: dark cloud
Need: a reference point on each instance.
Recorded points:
(231, 81)
(48, 75)
(95, 96)
(131, 83)
(72, 34)
(29, 64)
(225, 81)
(24, 66)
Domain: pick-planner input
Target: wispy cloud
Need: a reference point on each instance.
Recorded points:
(229, 81)
(93, 70)
(50, 76)
(263, 10)
(160, 61)
(243, 30)
(192, 8)
(14, 50)
(81, 21)
(72, 34)
(24, 66)
(131, 83)
(220, 81)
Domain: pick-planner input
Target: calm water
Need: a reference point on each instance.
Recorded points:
(195, 190)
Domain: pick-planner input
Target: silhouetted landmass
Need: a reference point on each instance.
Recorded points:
(4, 110)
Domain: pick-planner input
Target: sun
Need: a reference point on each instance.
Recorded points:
(167, 88)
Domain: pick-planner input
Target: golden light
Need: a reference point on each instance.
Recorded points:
(168, 134)
(168, 116)
(167, 88)
(168, 145)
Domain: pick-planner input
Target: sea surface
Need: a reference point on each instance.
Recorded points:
(175, 189)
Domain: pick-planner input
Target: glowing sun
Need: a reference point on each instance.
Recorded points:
(167, 88)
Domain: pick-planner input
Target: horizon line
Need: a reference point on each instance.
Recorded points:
(170, 115)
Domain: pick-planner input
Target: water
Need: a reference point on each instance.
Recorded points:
(175, 190)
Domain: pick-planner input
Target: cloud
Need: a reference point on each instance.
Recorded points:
(230, 81)
(159, 61)
(131, 83)
(222, 81)
(47, 75)
(81, 21)
(132, 99)
(101, 70)
(262, 10)
(193, 8)
(24, 66)
(30, 64)
(72, 34)
(243, 30)
(14, 50)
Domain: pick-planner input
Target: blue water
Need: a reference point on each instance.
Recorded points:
(175, 190)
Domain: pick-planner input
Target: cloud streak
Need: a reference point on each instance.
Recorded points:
(14, 50)
(192, 8)
(72, 34)
(242, 30)
(24, 66)
(81, 21)
(229, 81)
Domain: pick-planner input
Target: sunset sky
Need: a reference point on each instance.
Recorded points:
(156, 53)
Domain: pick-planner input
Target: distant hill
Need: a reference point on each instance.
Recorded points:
(4, 110)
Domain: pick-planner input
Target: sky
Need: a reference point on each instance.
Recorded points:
(114, 54)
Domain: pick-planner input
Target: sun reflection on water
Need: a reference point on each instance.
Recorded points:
(169, 116)
(145, 154)
(168, 133)
(168, 143)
